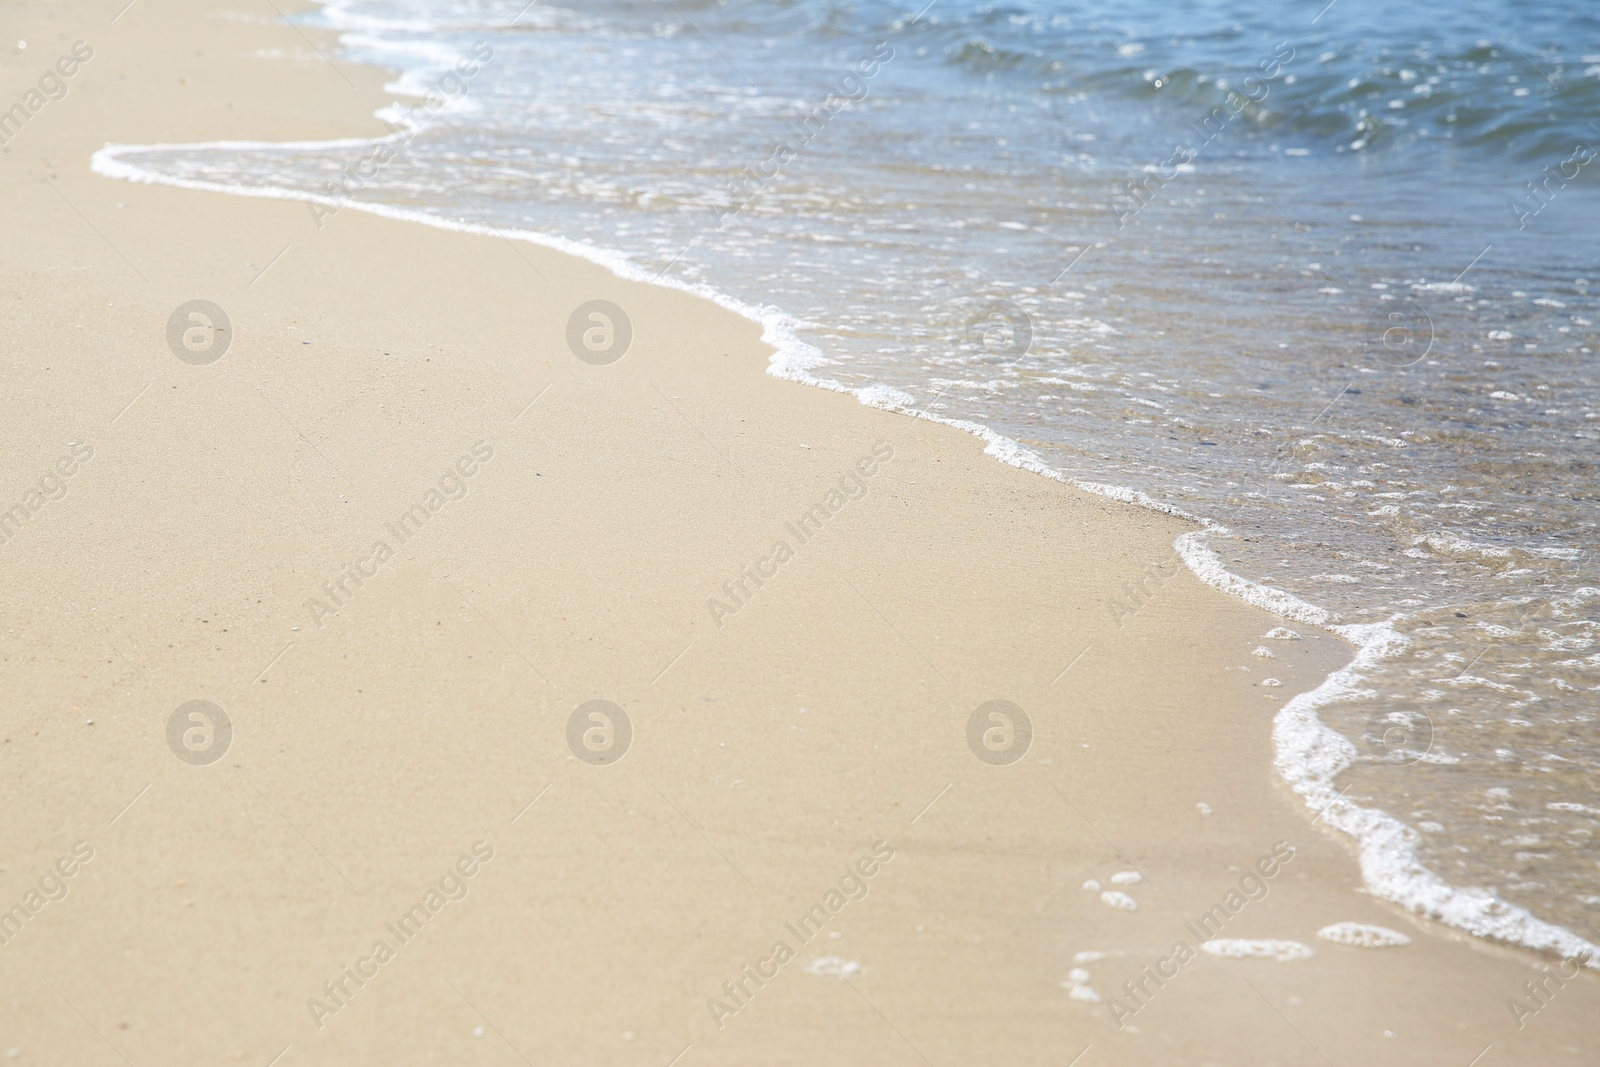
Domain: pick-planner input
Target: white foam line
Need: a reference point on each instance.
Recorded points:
(778, 330)
(1194, 550)
(1309, 755)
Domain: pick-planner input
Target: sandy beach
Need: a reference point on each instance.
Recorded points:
(397, 531)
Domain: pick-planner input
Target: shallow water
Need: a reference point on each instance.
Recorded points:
(1326, 312)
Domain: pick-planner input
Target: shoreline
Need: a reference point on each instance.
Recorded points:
(1391, 866)
(1178, 611)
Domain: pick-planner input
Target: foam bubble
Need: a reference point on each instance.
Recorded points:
(1238, 948)
(832, 967)
(1561, 805)
(1362, 935)
(885, 396)
(1119, 900)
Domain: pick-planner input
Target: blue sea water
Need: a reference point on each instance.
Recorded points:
(1323, 275)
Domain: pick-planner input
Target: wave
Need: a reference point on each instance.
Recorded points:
(1309, 755)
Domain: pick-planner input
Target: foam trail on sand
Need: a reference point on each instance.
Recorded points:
(1363, 935)
(1239, 949)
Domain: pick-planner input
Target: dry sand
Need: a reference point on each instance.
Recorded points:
(373, 747)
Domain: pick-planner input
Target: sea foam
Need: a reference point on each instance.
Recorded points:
(1239, 948)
